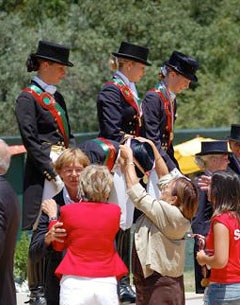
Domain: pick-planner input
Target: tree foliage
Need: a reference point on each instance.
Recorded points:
(21, 257)
(207, 30)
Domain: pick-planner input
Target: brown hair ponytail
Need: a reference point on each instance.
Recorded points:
(32, 63)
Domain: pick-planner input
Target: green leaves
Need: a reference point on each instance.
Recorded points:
(21, 257)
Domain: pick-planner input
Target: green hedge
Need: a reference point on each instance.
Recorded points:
(21, 257)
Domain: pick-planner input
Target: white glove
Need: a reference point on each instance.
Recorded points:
(175, 173)
(164, 180)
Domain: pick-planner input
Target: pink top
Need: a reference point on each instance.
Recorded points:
(231, 272)
(91, 230)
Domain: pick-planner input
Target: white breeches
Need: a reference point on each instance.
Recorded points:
(76, 290)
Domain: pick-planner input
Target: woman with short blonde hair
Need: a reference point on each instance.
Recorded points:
(95, 183)
(70, 156)
(91, 264)
(68, 166)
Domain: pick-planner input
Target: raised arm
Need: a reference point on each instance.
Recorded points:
(166, 217)
(127, 166)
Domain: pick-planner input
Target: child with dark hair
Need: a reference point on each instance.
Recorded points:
(222, 243)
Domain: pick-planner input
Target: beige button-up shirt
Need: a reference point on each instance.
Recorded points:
(159, 234)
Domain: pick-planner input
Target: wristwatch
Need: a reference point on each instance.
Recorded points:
(52, 218)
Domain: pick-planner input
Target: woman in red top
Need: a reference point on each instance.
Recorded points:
(223, 241)
(91, 265)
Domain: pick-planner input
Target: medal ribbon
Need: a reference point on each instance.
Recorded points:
(134, 97)
(169, 113)
(47, 101)
(130, 99)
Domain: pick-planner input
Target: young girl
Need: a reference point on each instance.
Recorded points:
(223, 241)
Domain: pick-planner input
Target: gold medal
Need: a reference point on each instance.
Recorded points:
(145, 179)
(204, 282)
(171, 136)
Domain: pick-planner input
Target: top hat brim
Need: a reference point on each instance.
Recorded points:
(134, 58)
(191, 77)
(69, 64)
(213, 152)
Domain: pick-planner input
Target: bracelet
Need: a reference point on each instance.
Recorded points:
(130, 163)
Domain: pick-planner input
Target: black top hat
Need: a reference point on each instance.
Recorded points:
(235, 132)
(142, 152)
(133, 52)
(183, 64)
(53, 52)
(213, 147)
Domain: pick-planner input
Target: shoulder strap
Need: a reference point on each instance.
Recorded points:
(47, 101)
